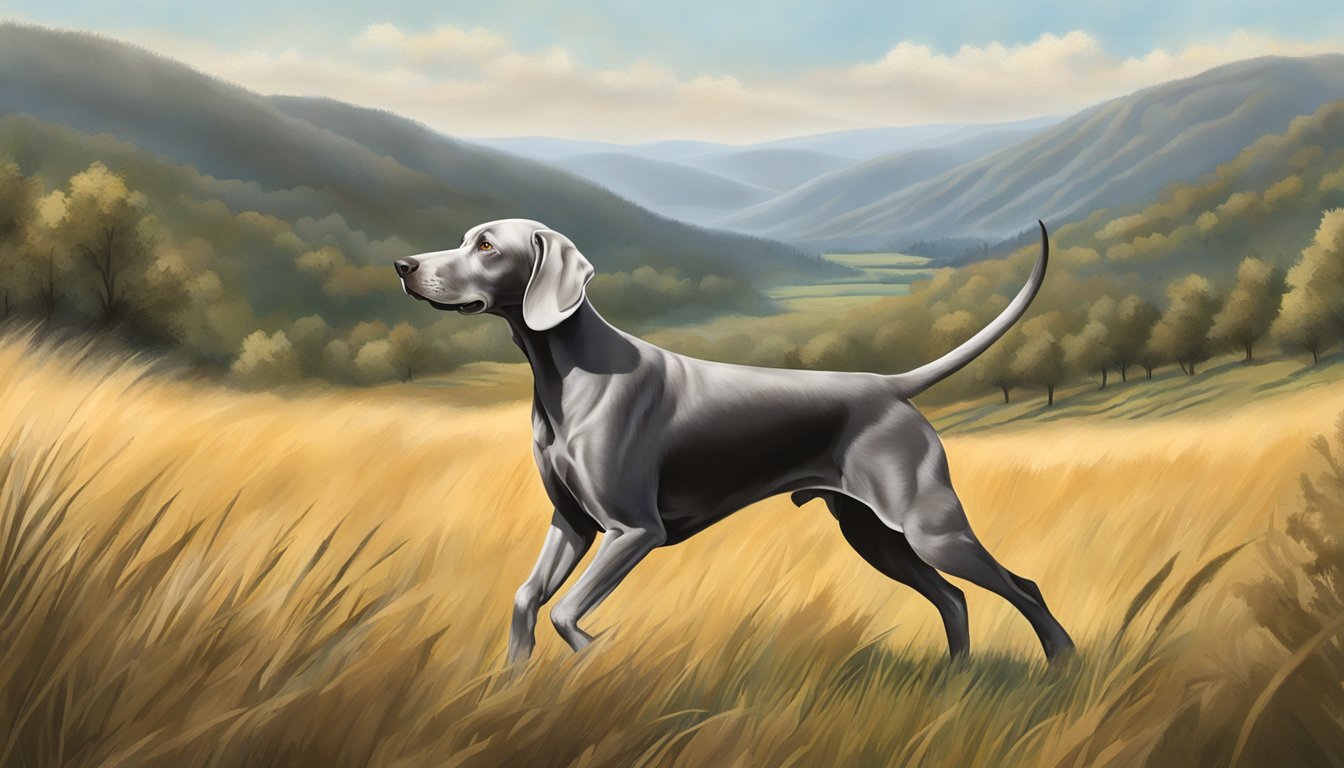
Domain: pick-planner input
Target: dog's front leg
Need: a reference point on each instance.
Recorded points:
(620, 551)
(562, 550)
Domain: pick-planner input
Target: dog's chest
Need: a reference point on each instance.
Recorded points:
(556, 455)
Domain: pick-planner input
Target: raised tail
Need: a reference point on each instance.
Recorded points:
(913, 382)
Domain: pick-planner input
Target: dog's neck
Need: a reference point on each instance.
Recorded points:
(578, 357)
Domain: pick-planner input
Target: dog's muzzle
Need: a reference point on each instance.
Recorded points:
(473, 307)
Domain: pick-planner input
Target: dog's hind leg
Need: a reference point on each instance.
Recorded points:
(562, 550)
(938, 532)
(888, 551)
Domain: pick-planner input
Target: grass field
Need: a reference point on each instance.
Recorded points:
(880, 274)
(191, 575)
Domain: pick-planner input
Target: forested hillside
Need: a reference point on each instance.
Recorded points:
(1115, 154)
(1249, 259)
(189, 215)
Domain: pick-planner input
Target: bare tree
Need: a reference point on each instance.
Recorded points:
(108, 263)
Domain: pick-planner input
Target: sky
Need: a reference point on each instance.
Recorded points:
(715, 70)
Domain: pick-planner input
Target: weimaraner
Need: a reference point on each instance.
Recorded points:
(651, 447)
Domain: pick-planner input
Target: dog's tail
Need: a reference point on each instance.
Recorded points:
(913, 382)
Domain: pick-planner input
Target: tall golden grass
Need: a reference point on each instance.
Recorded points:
(195, 576)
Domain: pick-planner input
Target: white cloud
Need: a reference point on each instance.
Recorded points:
(443, 43)
(474, 82)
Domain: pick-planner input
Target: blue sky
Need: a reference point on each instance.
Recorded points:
(706, 36)
(619, 70)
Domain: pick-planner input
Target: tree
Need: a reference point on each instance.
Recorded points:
(410, 350)
(1089, 349)
(217, 319)
(1182, 332)
(18, 200)
(338, 360)
(266, 360)
(1303, 324)
(50, 289)
(101, 223)
(1250, 307)
(995, 367)
(373, 362)
(828, 350)
(1130, 328)
(1312, 314)
(309, 336)
(120, 281)
(1040, 358)
(953, 328)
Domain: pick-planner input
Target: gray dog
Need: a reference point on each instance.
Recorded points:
(650, 447)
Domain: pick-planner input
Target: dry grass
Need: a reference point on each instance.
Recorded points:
(194, 576)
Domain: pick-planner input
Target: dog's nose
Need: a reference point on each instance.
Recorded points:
(406, 266)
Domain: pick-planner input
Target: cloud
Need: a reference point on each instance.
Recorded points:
(475, 82)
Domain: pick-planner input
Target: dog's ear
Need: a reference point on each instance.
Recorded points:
(559, 276)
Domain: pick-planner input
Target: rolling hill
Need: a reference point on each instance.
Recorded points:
(382, 174)
(776, 169)
(674, 190)
(709, 183)
(823, 199)
(1111, 155)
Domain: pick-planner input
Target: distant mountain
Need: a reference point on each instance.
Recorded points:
(549, 149)
(868, 143)
(778, 169)
(745, 175)
(1265, 202)
(1114, 154)
(670, 189)
(380, 173)
(823, 199)
(702, 189)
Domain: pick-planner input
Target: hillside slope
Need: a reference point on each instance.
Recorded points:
(1110, 155)
(388, 175)
(824, 198)
(683, 193)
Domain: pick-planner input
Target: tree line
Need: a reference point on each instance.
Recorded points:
(269, 300)
(272, 301)
(1082, 326)
(1301, 311)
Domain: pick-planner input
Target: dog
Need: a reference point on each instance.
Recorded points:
(649, 447)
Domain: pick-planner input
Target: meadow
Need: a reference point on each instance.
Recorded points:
(872, 275)
(196, 576)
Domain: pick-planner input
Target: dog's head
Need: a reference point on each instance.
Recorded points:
(500, 264)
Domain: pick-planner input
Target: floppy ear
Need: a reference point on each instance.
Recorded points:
(559, 275)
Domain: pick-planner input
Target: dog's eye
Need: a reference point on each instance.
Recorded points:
(486, 246)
